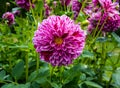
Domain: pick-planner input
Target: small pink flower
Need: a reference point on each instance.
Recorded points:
(76, 6)
(25, 4)
(47, 10)
(9, 17)
(59, 40)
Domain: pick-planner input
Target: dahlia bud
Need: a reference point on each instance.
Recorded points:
(7, 4)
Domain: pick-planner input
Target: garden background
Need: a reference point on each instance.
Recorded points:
(98, 65)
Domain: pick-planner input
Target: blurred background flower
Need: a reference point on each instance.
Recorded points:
(9, 17)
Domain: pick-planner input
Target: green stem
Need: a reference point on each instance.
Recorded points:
(10, 64)
(26, 60)
(107, 85)
(83, 5)
(61, 73)
(51, 72)
(103, 60)
(37, 64)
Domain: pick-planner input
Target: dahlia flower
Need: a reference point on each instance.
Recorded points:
(59, 40)
(47, 10)
(110, 23)
(109, 7)
(106, 6)
(25, 4)
(65, 2)
(76, 6)
(9, 17)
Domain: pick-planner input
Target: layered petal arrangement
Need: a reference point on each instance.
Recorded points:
(107, 14)
(59, 40)
(25, 4)
(106, 24)
(9, 17)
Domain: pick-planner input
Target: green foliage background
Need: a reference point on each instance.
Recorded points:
(20, 66)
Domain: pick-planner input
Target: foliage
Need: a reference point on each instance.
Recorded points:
(20, 66)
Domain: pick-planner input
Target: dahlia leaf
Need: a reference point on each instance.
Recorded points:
(2, 74)
(116, 78)
(116, 37)
(101, 39)
(93, 84)
(18, 70)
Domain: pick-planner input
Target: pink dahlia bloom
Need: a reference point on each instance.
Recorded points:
(59, 40)
(110, 23)
(76, 6)
(25, 4)
(106, 6)
(9, 17)
(109, 7)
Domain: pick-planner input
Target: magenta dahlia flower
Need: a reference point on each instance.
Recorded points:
(110, 23)
(106, 6)
(25, 4)
(76, 6)
(9, 17)
(59, 40)
(109, 7)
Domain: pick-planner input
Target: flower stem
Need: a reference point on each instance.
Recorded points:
(37, 64)
(51, 72)
(26, 60)
(103, 60)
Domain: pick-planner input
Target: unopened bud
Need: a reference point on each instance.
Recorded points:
(7, 4)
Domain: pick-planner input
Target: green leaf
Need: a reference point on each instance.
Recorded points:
(15, 9)
(55, 85)
(116, 77)
(39, 6)
(8, 86)
(93, 84)
(87, 54)
(116, 37)
(11, 85)
(70, 74)
(35, 85)
(2, 74)
(40, 76)
(18, 70)
(101, 39)
(30, 17)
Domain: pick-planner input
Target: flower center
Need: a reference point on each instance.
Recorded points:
(58, 40)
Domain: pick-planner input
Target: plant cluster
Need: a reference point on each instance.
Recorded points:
(60, 44)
